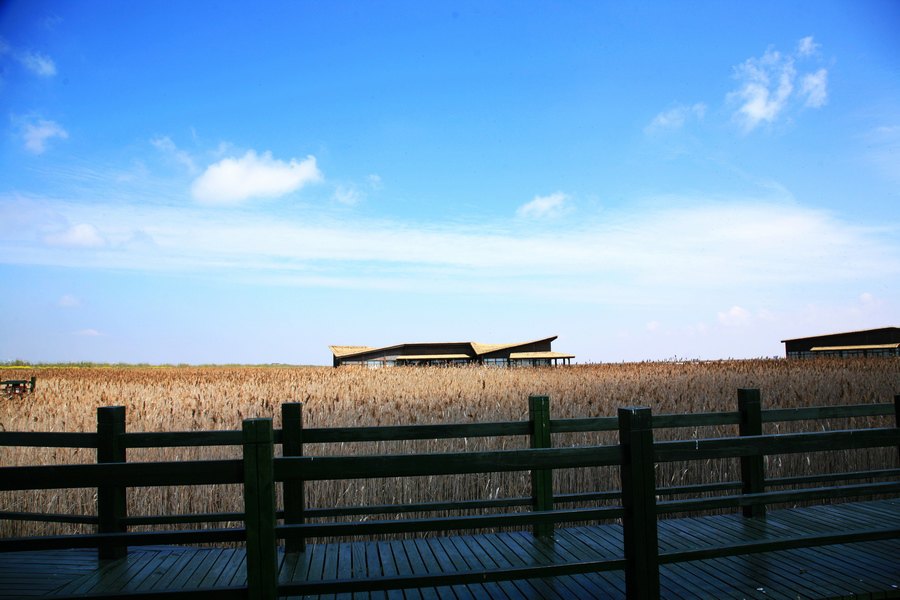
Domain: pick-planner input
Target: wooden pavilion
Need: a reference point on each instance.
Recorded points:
(525, 354)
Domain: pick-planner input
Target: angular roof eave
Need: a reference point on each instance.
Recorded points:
(343, 351)
(810, 337)
(481, 349)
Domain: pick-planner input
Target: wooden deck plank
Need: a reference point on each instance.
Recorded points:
(358, 567)
(315, 569)
(602, 542)
(197, 564)
(344, 566)
(802, 567)
(605, 544)
(433, 565)
(574, 547)
(293, 565)
(235, 571)
(374, 569)
(132, 579)
(385, 556)
(537, 551)
(105, 570)
(833, 577)
(417, 567)
(827, 561)
(452, 563)
(542, 552)
(529, 588)
(330, 566)
(477, 560)
(707, 576)
(214, 570)
(862, 569)
(170, 564)
(40, 573)
(499, 556)
(770, 573)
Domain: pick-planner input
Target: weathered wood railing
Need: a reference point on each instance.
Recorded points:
(635, 455)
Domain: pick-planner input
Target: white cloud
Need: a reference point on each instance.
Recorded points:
(87, 333)
(165, 145)
(685, 250)
(77, 236)
(349, 195)
(652, 326)
(734, 316)
(674, 118)
(37, 63)
(815, 87)
(542, 207)
(767, 86)
(806, 46)
(375, 182)
(68, 301)
(234, 180)
(869, 301)
(38, 133)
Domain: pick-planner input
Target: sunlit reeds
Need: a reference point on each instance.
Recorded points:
(204, 398)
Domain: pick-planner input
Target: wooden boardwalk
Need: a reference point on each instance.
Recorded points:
(861, 570)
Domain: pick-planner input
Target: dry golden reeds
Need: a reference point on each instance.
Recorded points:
(204, 398)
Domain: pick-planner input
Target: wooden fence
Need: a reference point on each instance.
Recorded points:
(635, 456)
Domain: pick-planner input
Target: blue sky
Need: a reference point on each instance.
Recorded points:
(218, 182)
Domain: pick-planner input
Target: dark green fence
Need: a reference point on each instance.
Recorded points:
(636, 455)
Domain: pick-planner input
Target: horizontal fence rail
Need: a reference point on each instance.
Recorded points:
(636, 455)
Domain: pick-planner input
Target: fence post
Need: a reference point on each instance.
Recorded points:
(259, 509)
(112, 505)
(752, 467)
(541, 479)
(294, 494)
(639, 504)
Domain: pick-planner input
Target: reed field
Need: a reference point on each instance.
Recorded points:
(208, 398)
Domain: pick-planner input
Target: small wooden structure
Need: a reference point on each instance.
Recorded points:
(18, 386)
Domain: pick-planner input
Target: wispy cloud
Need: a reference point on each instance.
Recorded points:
(544, 207)
(348, 194)
(235, 180)
(87, 333)
(38, 63)
(68, 301)
(83, 235)
(375, 181)
(767, 85)
(734, 316)
(686, 248)
(815, 87)
(807, 46)
(675, 117)
(165, 145)
(37, 133)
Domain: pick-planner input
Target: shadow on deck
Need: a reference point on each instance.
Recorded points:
(864, 570)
